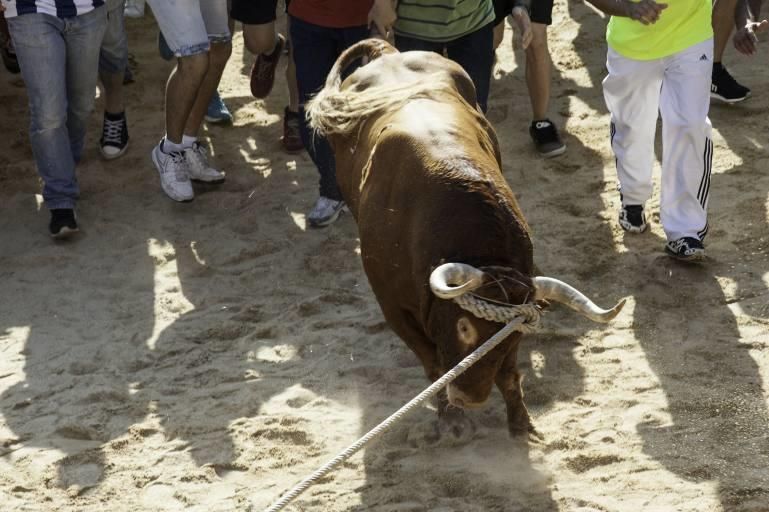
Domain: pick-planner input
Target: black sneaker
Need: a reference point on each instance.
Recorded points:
(63, 223)
(114, 135)
(686, 249)
(632, 218)
(546, 138)
(724, 87)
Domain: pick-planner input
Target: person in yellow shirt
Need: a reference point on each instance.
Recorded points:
(659, 62)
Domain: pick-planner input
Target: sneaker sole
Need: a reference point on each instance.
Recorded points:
(157, 166)
(727, 100)
(629, 228)
(64, 233)
(209, 182)
(218, 120)
(116, 155)
(554, 153)
(327, 222)
(698, 257)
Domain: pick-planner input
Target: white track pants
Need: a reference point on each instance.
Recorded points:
(678, 87)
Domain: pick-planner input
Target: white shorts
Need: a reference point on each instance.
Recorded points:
(189, 26)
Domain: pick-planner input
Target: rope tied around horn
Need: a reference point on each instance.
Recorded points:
(481, 308)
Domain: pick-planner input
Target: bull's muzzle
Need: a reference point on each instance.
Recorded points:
(460, 399)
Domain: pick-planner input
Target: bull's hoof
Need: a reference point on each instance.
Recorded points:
(455, 428)
(423, 434)
(451, 430)
(523, 430)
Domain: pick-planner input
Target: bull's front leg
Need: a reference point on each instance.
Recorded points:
(508, 380)
(453, 425)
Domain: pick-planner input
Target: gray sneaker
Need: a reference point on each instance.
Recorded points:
(325, 212)
(197, 165)
(174, 177)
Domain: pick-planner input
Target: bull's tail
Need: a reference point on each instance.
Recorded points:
(331, 111)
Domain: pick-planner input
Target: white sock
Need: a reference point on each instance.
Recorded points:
(188, 141)
(168, 147)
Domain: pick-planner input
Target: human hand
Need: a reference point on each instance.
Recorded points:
(523, 33)
(745, 39)
(645, 11)
(381, 18)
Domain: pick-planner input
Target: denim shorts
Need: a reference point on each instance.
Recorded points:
(113, 57)
(190, 25)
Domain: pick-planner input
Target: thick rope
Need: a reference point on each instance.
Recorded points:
(501, 314)
(517, 324)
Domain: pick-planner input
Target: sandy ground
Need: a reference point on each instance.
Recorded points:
(207, 356)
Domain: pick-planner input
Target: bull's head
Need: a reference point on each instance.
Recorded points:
(460, 332)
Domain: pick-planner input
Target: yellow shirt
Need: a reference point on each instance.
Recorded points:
(683, 24)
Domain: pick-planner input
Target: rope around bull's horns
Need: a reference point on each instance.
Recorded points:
(516, 324)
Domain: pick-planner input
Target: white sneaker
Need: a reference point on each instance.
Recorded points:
(325, 212)
(197, 165)
(174, 177)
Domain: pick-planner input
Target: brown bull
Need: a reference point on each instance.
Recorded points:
(419, 167)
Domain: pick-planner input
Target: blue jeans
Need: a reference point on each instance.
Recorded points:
(474, 52)
(315, 51)
(59, 60)
(113, 57)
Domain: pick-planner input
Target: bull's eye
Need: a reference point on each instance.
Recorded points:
(466, 332)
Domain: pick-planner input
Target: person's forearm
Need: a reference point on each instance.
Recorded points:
(525, 4)
(745, 11)
(611, 7)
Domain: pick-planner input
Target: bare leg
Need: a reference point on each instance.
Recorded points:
(217, 60)
(260, 39)
(181, 92)
(538, 65)
(499, 34)
(293, 89)
(723, 24)
(113, 92)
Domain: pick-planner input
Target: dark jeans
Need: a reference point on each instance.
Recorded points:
(474, 52)
(315, 51)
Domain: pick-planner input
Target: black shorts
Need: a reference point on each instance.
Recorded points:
(541, 11)
(253, 12)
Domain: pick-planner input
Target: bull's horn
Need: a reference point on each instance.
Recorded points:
(453, 279)
(548, 288)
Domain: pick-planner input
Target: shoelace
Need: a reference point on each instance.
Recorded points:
(177, 158)
(198, 160)
(199, 149)
(113, 131)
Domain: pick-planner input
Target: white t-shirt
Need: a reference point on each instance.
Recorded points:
(58, 8)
